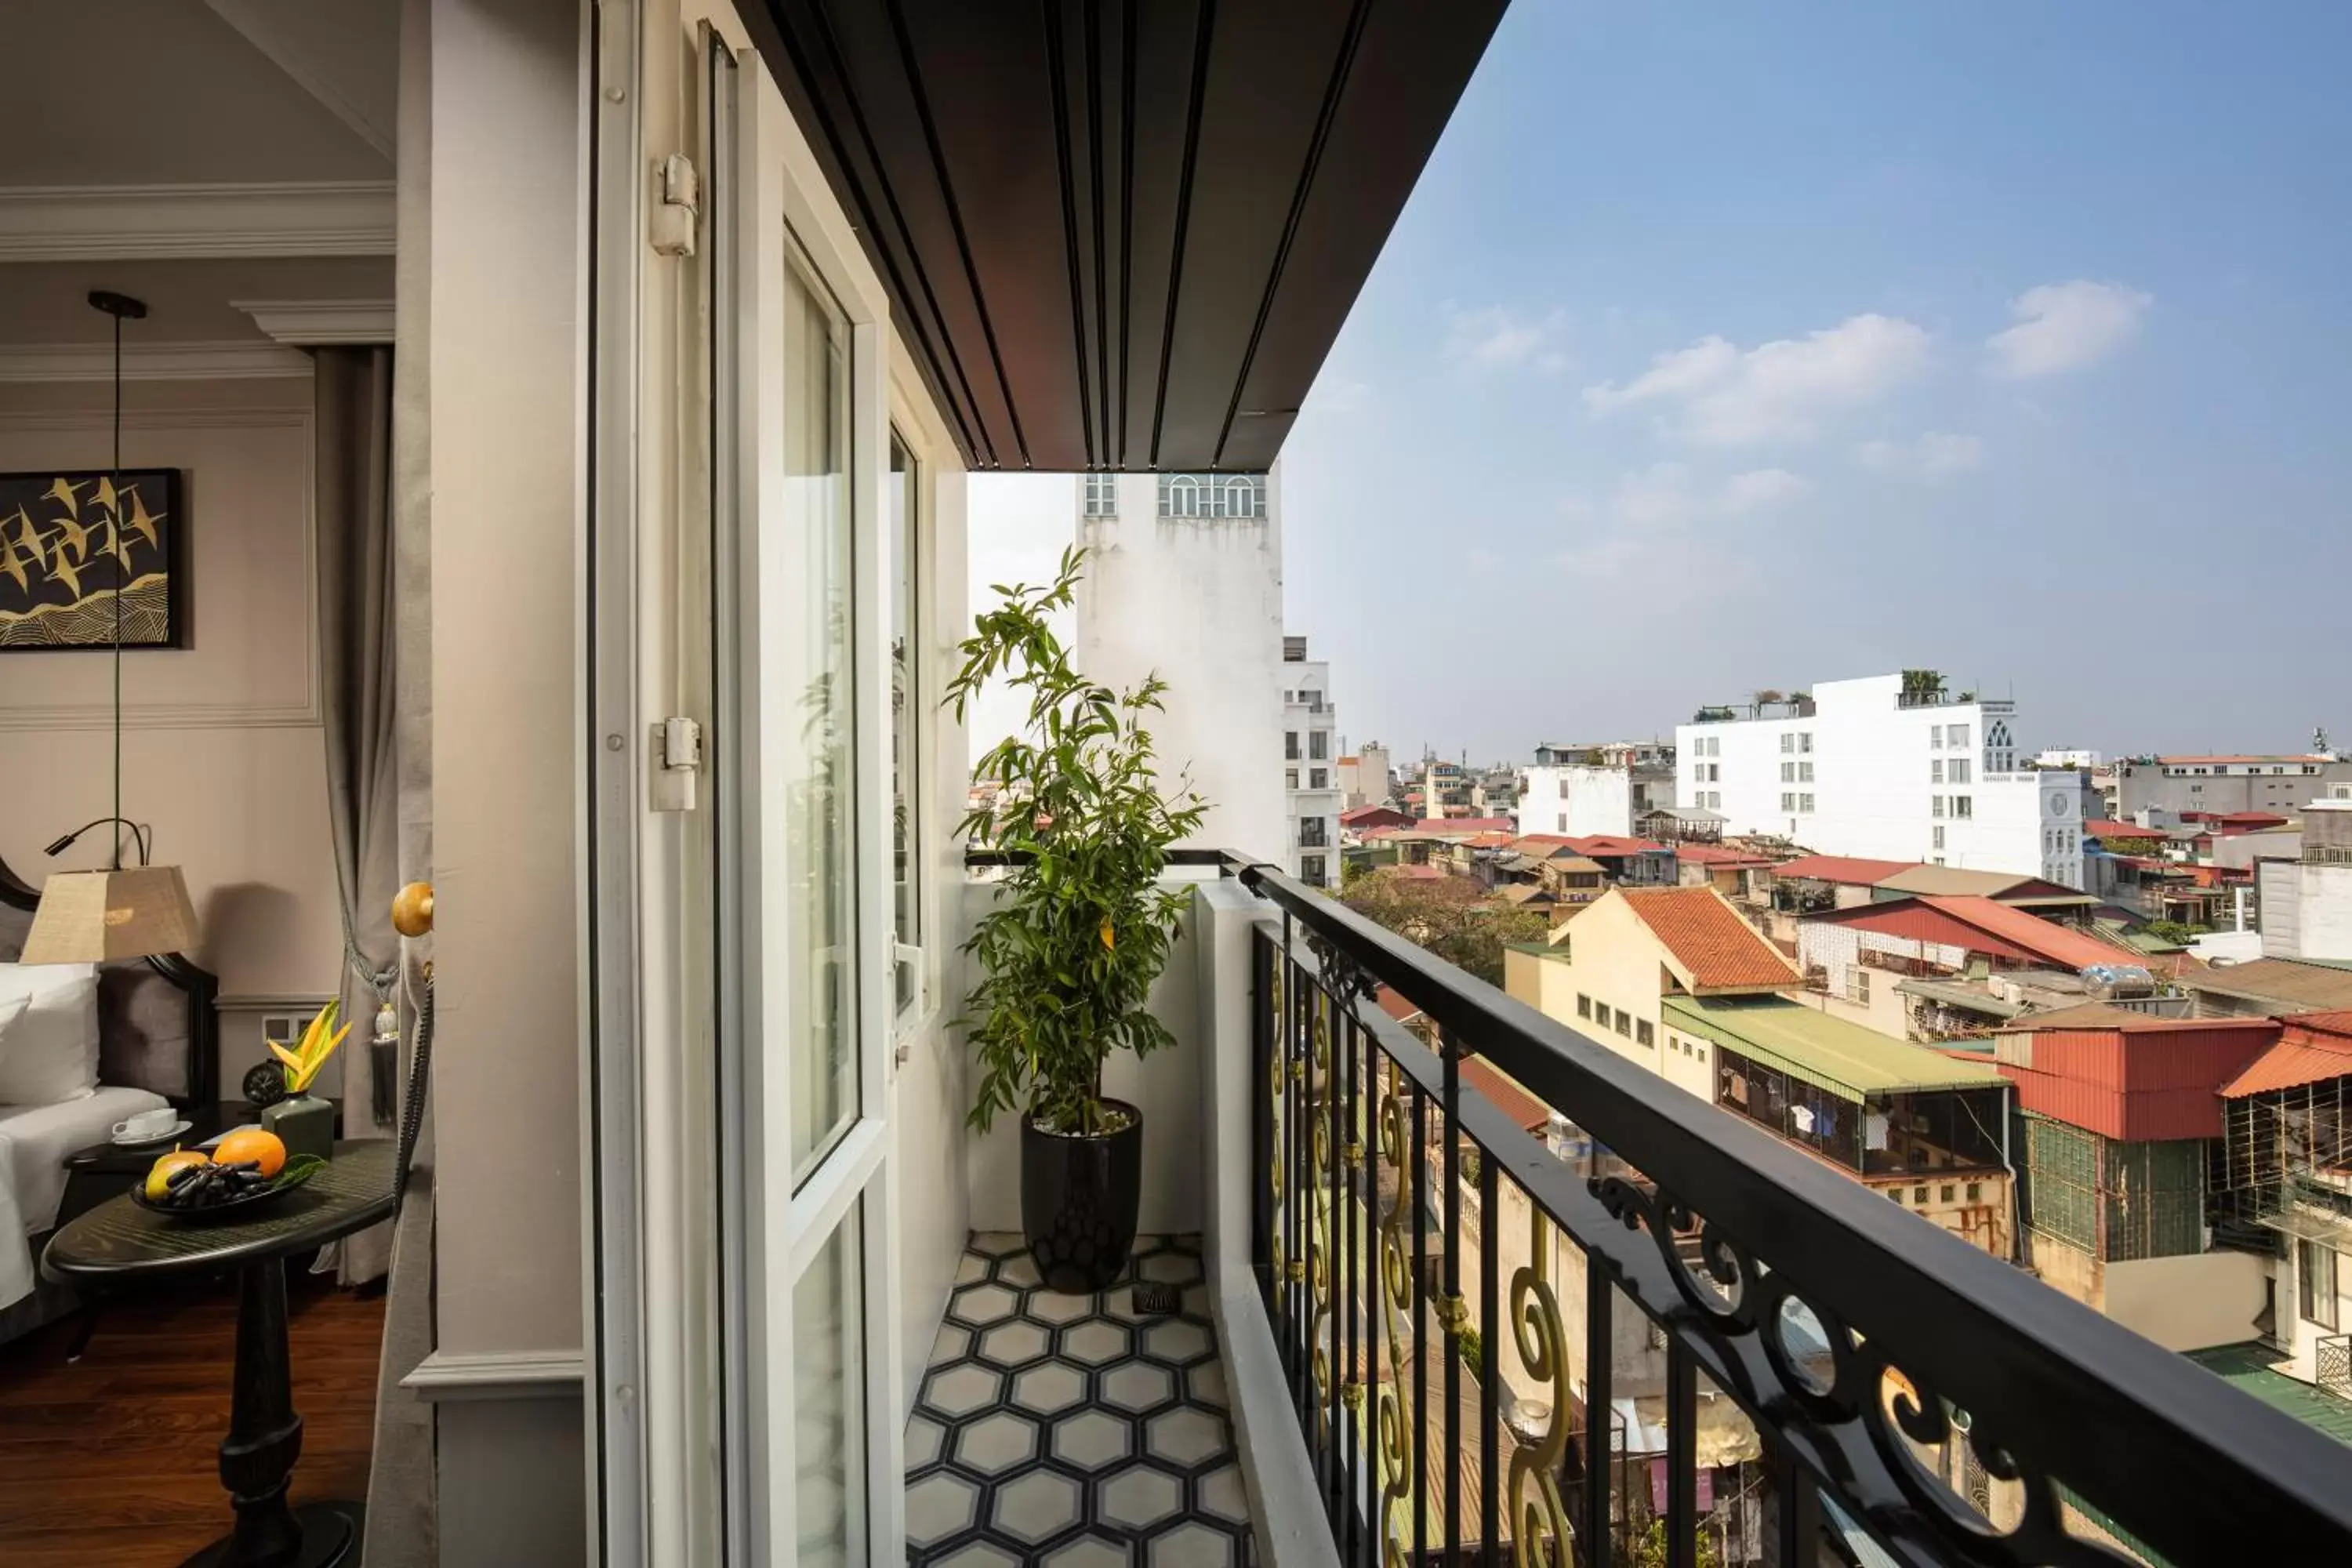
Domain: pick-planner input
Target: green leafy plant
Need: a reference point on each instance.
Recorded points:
(1082, 924)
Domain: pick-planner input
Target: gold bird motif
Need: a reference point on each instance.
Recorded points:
(106, 493)
(64, 492)
(64, 572)
(141, 520)
(69, 532)
(14, 567)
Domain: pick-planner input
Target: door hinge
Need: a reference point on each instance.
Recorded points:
(677, 205)
(678, 751)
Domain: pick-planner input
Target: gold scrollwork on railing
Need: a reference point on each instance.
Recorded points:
(1537, 1511)
(1396, 1424)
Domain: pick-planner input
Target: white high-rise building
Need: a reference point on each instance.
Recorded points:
(1310, 763)
(1184, 577)
(1892, 767)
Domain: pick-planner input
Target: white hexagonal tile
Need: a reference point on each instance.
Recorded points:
(1054, 1306)
(1205, 1384)
(1011, 1344)
(977, 1555)
(1138, 1497)
(1184, 1435)
(1049, 1388)
(938, 1506)
(1191, 1545)
(1019, 1271)
(1223, 1495)
(924, 1436)
(950, 1343)
(1088, 1552)
(963, 1389)
(996, 1442)
(1174, 1340)
(1137, 1385)
(1170, 1268)
(1040, 1504)
(1092, 1440)
(970, 1268)
(1095, 1342)
(981, 1305)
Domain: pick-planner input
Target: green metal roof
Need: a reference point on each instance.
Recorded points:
(2248, 1367)
(1829, 1052)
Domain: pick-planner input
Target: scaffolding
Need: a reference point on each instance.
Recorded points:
(2116, 1200)
(2284, 1151)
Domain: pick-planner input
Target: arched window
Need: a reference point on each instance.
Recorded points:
(1242, 496)
(1182, 495)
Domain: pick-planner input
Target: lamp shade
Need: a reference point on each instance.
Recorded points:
(91, 916)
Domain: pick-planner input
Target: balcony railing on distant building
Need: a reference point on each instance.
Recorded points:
(1805, 1364)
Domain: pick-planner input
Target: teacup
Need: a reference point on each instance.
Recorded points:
(147, 1124)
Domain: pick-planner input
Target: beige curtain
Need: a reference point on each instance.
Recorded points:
(352, 419)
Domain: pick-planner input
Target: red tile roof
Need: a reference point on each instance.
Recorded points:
(1361, 813)
(2051, 943)
(1706, 935)
(1494, 840)
(2316, 1047)
(2098, 829)
(1524, 1109)
(1391, 1001)
(1851, 868)
(1614, 845)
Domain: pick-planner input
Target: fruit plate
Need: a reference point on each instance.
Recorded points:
(299, 1170)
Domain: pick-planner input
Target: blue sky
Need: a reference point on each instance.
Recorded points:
(1732, 346)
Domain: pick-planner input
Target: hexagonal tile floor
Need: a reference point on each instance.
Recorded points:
(1071, 1429)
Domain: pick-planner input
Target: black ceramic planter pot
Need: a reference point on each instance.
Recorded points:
(1079, 1197)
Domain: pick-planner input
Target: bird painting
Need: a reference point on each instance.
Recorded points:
(55, 527)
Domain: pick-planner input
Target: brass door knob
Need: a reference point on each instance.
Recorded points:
(411, 909)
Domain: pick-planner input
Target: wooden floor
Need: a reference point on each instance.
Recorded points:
(115, 1459)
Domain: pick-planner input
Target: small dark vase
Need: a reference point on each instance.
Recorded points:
(1079, 1198)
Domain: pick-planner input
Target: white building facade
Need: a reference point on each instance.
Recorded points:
(1893, 774)
(1310, 767)
(1578, 798)
(1184, 577)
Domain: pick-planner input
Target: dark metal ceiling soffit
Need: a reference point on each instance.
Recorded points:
(1121, 234)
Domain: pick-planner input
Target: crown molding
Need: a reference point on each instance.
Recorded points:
(153, 362)
(266, 28)
(310, 323)
(113, 223)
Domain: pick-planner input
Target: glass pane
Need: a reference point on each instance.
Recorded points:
(906, 789)
(829, 1391)
(809, 774)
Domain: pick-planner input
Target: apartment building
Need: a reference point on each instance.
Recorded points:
(1363, 777)
(1445, 788)
(1312, 788)
(2306, 900)
(2282, 784)
(1606, 788)
(1891, 766)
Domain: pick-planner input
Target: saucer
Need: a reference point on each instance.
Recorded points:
(146, 1138)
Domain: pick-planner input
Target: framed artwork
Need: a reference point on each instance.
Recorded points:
(63, 538)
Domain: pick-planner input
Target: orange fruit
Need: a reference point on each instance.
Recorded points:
(159, 1175)
(251, 1144)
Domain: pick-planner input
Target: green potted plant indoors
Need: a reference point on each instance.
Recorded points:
(1080, 928)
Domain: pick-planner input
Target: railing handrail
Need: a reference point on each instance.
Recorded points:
(2193, 1467)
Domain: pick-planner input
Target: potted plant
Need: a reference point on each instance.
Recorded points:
(302, 1122)
(1080, 928)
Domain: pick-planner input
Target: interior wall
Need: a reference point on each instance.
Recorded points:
(222, 750)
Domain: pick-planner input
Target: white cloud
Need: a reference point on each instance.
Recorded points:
(1937, 455)
(1758, 487)
(2065, 326)
(1731, 397)
(1494, 336)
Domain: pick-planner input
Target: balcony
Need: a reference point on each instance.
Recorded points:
(1451, 1327)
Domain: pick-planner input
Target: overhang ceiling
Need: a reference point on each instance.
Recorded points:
(1117, 234)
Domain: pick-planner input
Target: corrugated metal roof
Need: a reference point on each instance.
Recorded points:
(2057, 944)
(1824, 1050)
(2134, 1084)
(2299, 986)
(1849, 868)
(2313, 1048)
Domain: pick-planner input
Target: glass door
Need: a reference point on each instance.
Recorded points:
(807, 949)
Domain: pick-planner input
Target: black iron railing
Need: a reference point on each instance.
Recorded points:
(1652, 1326)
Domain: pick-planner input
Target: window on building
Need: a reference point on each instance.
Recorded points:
(1290, 745)
(1936, 737)
(1102, 495)
(1310, 870)
(1643, 1033)
(1313, 832)
(1319, 778)
(1935, 805)
(1804, 773)
(1976, 1191)
(2314, 1283)
(1714, 773)
(1583, 1005)
(1939, 836)
(1623, 1024)
(1857, 985)
(1787, 773)
(1804, 739)
(1290, 778)
(1318, 746)
(1563, 822)
(1788, 801)
(1714, 800)
(1958, 734)
(1958, 773)
(1936, 769)
(1804, 803)
(1700, 1052)
(1963, 805)
(906, 729)
(1788, 739)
